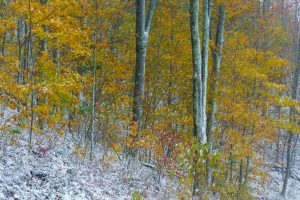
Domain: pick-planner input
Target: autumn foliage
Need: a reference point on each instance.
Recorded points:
(49, 49)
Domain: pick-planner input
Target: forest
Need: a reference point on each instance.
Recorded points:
(149, 99)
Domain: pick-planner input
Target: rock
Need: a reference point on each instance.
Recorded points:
(39, 175)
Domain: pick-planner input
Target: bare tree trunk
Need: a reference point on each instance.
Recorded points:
(28, 64)
(217, 57)
(277, 147)
(278, 136)
(197, 74)
(197, 79)
(204, 71)
(143, 25)
(56, 56)
(247, 169)
(3, 5)
(266, 7)
(21, 34)
(241, 172)
(288, 164)
(93, 104)
(231, 170)
(44, 47)
(3, 45)
(44, 43)
(294, 95)
(142, 33)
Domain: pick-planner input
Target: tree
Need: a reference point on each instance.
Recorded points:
(142, 36)
(217, 57)
(204, 70)
(292, 119)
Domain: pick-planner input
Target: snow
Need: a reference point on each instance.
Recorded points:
(272, 189)
(56, 173)
(32, 175)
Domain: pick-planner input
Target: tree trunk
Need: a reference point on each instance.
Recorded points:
(20, 32)
(217, 57)
(241, 172)
(56, 56)
(44, 47)
(197, 79)
(247, 169)
(288, 164)
(143, 25)
(204, 71)
(294, 95)
(93, 104)
(28, 65)
(142, 33)
(266, 6)
(3, 45)
(277, 108)
(44, 44)
(3, 5)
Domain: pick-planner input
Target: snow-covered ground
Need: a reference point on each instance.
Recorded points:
(272, 190)
(58, 174)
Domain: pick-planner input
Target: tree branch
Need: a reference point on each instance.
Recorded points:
(150, 15)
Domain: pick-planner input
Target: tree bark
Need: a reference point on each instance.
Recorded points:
(266, 7)
(93, 104)
(44, 47)
(29, 65)
(204, 71)
(197, 79)
(217, 57)
(3, 5)
(20, 36)
(142, 33)
(3, 45)
(241, 172)
(247, 169)
(288, 164)
(56, 56)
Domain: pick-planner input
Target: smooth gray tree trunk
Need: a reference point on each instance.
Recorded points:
(217, 57)
(143, 25)
(197, 71)
(197, 80)
(29, 65)
(204, 71)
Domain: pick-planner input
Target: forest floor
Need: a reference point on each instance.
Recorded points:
(272, 188)
(57, 173)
